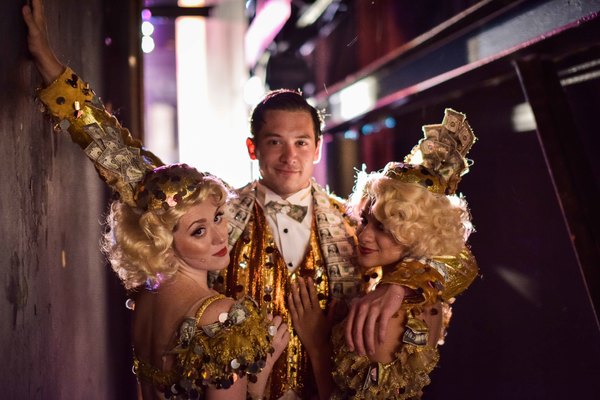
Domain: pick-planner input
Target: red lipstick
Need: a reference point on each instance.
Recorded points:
(221, 253)
(365, 250)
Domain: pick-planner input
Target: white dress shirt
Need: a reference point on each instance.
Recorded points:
(291, 236)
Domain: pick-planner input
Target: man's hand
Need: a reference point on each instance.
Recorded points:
(377, 307)
(37, 42)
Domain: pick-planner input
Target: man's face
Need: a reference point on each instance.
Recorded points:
(285, 149)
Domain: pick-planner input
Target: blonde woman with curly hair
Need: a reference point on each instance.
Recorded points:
(423, 223)
(140, 245)
(411, 225)
(166, 232)
(188, 340)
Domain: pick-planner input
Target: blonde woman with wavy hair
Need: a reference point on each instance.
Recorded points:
(411, 232)
(425, 223)
(403, 228)
(162, 248)
(139, 244)
(166, 232)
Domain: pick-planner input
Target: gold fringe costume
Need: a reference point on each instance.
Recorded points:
(217, 354)
(436, 164)
(357, 377)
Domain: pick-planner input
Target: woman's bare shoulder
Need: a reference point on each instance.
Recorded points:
(211, 313)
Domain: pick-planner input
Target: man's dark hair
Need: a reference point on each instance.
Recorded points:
(284, 100)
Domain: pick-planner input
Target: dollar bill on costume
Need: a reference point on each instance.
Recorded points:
(122, 156)
(453, 120)
(131, 173)
(465, 138)
(114, 134)
(340, 269)
(111, 145)
(447, 139)
(130, 164)
(94, 131)
(93, 151)
(107, 160)
(432, 131)
(434, 152)
(339, 251)
(453, 163)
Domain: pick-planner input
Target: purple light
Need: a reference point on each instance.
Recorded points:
(146, 14)
(266, 25)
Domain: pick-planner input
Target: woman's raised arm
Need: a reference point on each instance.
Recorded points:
(48, 65)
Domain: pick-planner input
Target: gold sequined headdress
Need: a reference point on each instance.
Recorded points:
(438, 161)
(167, 186)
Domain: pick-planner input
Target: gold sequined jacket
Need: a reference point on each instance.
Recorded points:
(257, 269)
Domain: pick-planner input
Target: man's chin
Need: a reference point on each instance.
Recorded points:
(283, 187)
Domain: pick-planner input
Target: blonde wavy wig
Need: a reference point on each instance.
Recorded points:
(138, 244)
(427, 224)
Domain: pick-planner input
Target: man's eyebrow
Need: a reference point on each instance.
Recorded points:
(278, 135)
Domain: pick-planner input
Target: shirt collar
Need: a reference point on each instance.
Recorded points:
(301, 197)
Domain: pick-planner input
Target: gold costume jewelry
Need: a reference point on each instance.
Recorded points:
(120, 160)
(168, 186)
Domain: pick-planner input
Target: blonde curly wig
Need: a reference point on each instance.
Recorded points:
(427, 224)
(138, 243)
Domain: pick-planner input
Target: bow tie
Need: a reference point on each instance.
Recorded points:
(293, 211)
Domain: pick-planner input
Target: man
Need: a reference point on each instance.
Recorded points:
(280, 238)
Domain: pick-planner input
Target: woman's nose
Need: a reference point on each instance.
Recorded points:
(220, 234)
(364, 233)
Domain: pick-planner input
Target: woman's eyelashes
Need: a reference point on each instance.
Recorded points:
(199, 232)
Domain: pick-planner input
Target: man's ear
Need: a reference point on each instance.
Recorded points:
(318, 151)
(251, 148)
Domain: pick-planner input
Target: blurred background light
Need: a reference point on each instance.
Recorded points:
(147, 28)
(147, 44)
